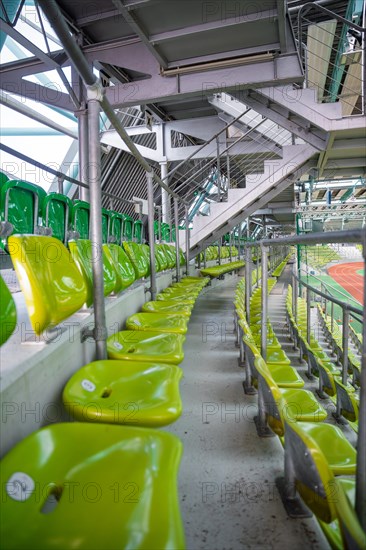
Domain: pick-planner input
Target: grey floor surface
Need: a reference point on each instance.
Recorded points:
(227, 478)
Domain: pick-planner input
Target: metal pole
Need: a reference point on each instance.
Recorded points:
(219, 251)
(257, 266)
(345, 336)
(204, 258)
(228, 169)
(218, 181)
(264, 262)
(83, 152)
(230, 244)
(308, 296)
(94, 171)
(239, 239)
(150, 221)
(165, 197)
(177, 255)
(331, 316)
(295, 293)
(187, 241)
(361, 441)
(248, 282)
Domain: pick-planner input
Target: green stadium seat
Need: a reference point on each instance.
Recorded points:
(127, 227)
(125, 392)
(138, 258)
(81, 252)
(155, 347)
(107, 486)
(138, 231)
(115, 227)
(167, 307)
(56, 213)
(158, 322)
(80, 217)
(123, 267)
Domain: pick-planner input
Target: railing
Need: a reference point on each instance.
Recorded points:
(333, 56)
(355, 236)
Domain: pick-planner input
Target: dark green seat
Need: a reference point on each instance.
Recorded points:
(138, 231)
(115, 227)
(80, 218)
(8, 313)
(165, 232)
(21, 205)
(127, 227)
(105, 224)
(56, 213)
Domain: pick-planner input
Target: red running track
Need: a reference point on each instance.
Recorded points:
(346, 276)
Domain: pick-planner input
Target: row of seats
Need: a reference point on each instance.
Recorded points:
(107, 485)
(214, 252)
(277, 272)
(318, 256)
(321, 365)
(317, 454)
(27, 209)
(219, 270)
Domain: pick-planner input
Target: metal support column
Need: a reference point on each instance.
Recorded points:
(83, 152)
(187, 241)
(345, 337)
(165, 197)
(239, 239)
(218, 180)
(248, 282)
(94, 173)
(150, 221)
(308, 312)
(264, 262)
(177, 255)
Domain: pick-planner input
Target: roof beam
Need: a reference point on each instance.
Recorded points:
(282, 24)
(201, 82)
(136, 26)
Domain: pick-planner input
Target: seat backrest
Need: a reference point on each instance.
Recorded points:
(81, 252)
(313, 478)
(162, 257)
(49, 278)
(21, 204)
(138, 231)
(8, 313)
(56, 214)
(127, 227)
(122, 265)
(353, 536)
(115, 227)
(3, 178)
(105, 224)
(165, 232)
(80, 218)
(137, 257)
(182, 257)
(274, 404)
(169, 254)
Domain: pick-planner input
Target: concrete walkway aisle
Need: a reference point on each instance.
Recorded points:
(227, 477)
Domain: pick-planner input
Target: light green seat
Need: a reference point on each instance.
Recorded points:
(181, 292)
(125, 392)
(169, 254)
(137, 257)
(8, 313)
(186, 299)
(81, 252)
(310, 456)
(167, 307)
(155, 347)
(123, 267)
(109, 487)
(297, 404)
(53, 286)
(160, 254)
(158, 322)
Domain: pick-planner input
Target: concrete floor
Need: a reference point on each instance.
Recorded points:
(227, 478)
